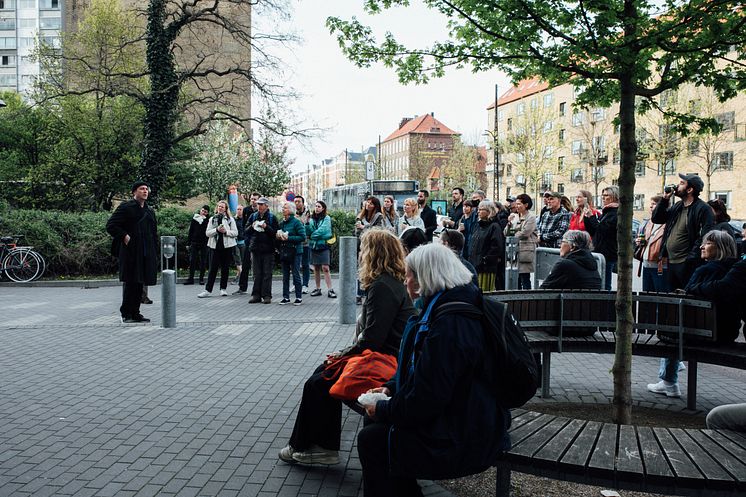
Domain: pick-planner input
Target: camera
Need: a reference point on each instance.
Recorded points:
(669, 188)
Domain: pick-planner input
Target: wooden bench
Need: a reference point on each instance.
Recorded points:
(690, 323)
(671, 461)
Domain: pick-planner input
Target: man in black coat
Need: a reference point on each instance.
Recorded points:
(427, 214)
(261, 230)
(134, 231)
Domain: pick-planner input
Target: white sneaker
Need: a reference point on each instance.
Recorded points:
(316, 455)
(204, 294)
(223, 293)
(305, 290)
(663, 387)
(682, 366)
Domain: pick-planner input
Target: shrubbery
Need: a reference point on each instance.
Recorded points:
(76, 244)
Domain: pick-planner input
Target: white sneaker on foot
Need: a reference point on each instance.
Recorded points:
(305, 290)
(223, 293)
(664, 387)
(204, 294)
(317, 455)
(286, 454)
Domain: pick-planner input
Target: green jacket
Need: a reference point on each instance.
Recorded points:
(319, 232)
(296, 233)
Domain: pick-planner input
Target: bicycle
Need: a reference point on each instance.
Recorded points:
(20, 264)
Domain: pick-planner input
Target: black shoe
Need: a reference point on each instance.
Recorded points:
(141, 319)
(146, 301)
(255, 300)
(359, 301)
(201, 282)
(316, 292)
(189, 282)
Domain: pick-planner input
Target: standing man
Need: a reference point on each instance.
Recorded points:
(261, 230)
(303, 215)
(554, 222)
(478, 196)
(427, 214)
(197, 244)
(134, 233)
(686, 223)
(456, 209)
(243, 279)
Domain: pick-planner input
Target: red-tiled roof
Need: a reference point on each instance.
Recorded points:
(423, 124)
(522, 90)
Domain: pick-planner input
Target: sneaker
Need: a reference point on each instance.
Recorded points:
(146, 300)
(316, 292)
(331, 294)
(662, 387)
(204, 294)
(255, 300)
(298, 302)
(141, 319)
(682, 366)
(189, 282)
(305, 290)
(129, 320)
(286, 454)
(267, 300)
(240, 292)
(284, 301)
(223, 293)
(317, 455)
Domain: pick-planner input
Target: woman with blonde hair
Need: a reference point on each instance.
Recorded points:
(411, 217)
(221, 238)
(583, 206)
(317, 430)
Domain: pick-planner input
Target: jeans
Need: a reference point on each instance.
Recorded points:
(286, 268)
(610, 267)
(654, 282)
(305, 266)
(727, 417)
(669, 370)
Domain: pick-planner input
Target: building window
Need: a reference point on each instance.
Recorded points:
(9, 42)
(560, 164)
(599, 143)
(8, 80)
(640, 168)
(548, 151)
(26, 4)
(598, 114)
(521, 109)
(561, 188)
(727, 120)
(50, 23)
(577, 147)
(26, 23)
(616, 156)
(548, 100)
(561, 136)
(577, 175)
(666, 166)
(598, 173)
(639, 202)
(7, 4)
(8, 24)
(520, 157)
(49, 4)
(534, 103)
(548, 126)
(510, 124)
(27, 42)
(695, 107)
(562, 106)
(520, 180)
(578, 118)
(740, 132)
(500, 115)
(8, 60)
(724, 196)
(723, 161)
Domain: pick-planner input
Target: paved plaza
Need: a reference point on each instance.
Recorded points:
(90, 406)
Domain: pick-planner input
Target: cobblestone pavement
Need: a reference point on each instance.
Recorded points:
(90, 406)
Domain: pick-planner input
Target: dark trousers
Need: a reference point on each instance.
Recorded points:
(678, 275)
(319, 419)
(610, 268)
(197, 260)
(287, 267)
(262, 265)
(305, 266)
(372, 446)
(524, 281)
(221, 258)
(131, 297)
(243, 280)
(654, 282)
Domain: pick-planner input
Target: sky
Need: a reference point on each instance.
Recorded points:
(357, 105)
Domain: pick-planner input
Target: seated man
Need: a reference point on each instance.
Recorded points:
(577, 269)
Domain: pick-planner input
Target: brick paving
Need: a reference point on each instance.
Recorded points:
(92, 407)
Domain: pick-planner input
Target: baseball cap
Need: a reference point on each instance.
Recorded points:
(694, 181)
(553, 194)
(262, 200)
(510, 198)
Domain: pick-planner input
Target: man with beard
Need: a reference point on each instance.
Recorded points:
(427, 214)
(686, 223)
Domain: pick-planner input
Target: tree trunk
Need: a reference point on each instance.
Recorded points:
(160, 104)
(622, 404)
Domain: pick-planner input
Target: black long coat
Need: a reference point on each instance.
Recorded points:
(138, 260)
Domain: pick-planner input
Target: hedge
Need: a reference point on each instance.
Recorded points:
(76, 244)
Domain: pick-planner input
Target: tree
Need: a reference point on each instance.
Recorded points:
(267, 166)
(593, 126)
(460, 169)
(188, 64)
(611, 51)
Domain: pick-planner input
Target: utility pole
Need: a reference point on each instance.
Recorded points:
(496, 154)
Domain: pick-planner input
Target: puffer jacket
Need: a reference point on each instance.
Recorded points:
(578, 270)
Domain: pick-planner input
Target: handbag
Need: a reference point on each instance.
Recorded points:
(287, 252)
(356, 374)
(332, 240)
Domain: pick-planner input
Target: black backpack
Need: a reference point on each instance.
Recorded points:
(513, 373)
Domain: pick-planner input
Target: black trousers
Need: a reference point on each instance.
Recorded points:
(221, 258)
(197, 260)
(262, 265)
(372, 446)
(243, 280)
(319, 419)
(131, 298)
(679, 274)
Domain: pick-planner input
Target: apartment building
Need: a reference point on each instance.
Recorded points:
(345, 168)
(21, 22)
(546, 142)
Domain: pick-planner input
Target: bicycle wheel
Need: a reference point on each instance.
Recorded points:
(21, 265)
(42, 264)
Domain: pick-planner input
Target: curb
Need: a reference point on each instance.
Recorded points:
(91, 283)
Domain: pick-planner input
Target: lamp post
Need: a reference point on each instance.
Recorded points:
(168, 281)
(496, 153)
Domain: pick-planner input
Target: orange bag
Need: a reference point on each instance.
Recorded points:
(361, 373)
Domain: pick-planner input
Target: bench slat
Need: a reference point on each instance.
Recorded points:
(706, 464)
(680, 462)
(732, 463)
(604, 452)
(528, 429)
(654, 461)
(529, 446)
(580, 450)
(629, 459)
(557, 447)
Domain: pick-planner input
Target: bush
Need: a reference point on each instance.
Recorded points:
(343, 224)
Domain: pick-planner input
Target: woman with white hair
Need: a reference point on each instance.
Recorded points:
(291, 235)
(577, 269)
(442, 419)
(487, 248)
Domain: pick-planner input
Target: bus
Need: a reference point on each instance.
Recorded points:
(350, 197)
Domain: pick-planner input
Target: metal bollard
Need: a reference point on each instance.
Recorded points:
(347, 279)
(511, 263)
(168, 281)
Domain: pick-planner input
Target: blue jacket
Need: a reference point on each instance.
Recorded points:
(445, 421)
(319, 232)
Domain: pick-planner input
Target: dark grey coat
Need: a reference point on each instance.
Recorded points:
(138, 260)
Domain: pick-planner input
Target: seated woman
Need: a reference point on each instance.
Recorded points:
(442, 420)
(315, 438)
(719, 251)
(577, 269)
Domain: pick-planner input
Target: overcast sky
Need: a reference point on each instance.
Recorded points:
(357, 104)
